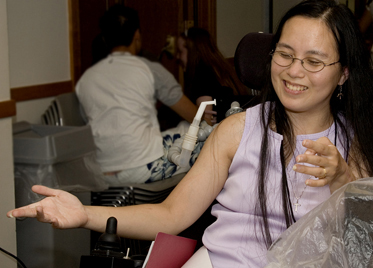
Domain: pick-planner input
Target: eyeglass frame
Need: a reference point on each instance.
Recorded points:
(302, 61)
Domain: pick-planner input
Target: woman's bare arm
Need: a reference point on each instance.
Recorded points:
(185, 204)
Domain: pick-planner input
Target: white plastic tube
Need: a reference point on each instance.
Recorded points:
(192, 135)
(204, 131)
(175, 151)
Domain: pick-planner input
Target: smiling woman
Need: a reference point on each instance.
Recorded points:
(305, 85)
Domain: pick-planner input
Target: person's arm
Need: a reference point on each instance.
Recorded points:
(184, 205)
(185, 108)
(170, 93)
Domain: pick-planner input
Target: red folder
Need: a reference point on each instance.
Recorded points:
(170, 251)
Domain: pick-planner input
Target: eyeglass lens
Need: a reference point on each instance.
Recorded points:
(285, 60)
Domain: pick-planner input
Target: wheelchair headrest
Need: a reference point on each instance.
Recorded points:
(250, 57)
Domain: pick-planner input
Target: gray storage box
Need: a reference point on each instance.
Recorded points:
(45, 144)
(59, 157)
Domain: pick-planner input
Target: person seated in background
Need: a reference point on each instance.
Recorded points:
(118, 96)
(208, 75)
(271, 165)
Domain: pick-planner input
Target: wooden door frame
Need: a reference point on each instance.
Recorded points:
(207, 16)
(74, 34)
(202, 14)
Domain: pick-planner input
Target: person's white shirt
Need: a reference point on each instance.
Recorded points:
(118, 96)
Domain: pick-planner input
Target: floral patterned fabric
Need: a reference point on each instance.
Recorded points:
(162, 168)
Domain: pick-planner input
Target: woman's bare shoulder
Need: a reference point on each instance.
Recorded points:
(234, 123)
(229, 132)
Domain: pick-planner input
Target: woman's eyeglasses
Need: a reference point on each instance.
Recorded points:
(312, 65)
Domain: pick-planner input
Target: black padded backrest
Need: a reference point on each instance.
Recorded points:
(250, 57)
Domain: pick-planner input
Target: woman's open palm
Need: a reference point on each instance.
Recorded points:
(61, 209)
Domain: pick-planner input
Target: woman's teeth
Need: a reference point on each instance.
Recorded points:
(295, 88)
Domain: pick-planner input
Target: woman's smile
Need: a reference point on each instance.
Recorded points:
(294, 88)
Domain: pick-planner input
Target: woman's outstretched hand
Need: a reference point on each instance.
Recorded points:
(59, 208)
(329, 167)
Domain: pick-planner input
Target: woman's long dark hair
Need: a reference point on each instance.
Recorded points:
(202, 49)
(355, 106)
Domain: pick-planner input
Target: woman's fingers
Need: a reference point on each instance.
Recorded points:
(43, 190)
(318, 156)
(32, 210)
(324, 163)
(315, 160)
(321, 146)
(26, 211)
(310, 151)
(319, 171)
(316, 182)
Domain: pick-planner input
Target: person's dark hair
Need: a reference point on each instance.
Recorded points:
(118, 26)
(202, 50)
(355, 106)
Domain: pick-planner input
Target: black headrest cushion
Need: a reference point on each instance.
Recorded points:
(250, 57)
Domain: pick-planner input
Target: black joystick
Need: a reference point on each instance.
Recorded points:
(109, 243)
(108, 253)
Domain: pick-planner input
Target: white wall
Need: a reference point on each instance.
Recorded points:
(38, 42)
(7, 230)
(38, 49)
(234, 21)
(32, 110)
(280, 8)
(34, 42)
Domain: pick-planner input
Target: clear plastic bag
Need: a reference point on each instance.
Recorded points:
(82, 174)
(337, 233)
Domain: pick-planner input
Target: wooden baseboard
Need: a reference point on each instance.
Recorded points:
(40, 91)
(7, 108)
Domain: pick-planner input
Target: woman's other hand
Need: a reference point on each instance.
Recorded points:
(329, 167)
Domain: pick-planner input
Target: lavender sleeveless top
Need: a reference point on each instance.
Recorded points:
(233, 240)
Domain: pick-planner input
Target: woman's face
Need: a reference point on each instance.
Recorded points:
(182, 52)
(298, 89)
